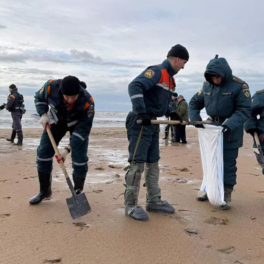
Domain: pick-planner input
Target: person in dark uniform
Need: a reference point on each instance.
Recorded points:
(64, 105)
(15, 105)
(150, 94)
(226, 99)
(255, 124)
(172, 106)
(182, 111)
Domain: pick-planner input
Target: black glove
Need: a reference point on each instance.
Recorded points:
(252, 131)
(2, 106)
(175, 116)
(225, 129)
(199, 125)
(146, 120)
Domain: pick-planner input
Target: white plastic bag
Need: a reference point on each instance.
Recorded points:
(211, 148)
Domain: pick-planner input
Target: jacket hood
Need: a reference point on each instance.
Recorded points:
(220, 67)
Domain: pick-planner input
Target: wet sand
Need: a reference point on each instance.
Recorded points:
(197, 233)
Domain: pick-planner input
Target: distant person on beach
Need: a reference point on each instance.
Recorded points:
(150, 94)
(226, 99)
(255, 124)
(182, 111)
(15, 105)
(64, 105)
(172, 106)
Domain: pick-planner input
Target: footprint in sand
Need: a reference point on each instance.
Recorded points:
(81, 225)
(4, 215)
(7, 198)
(58, 260)
(216, 221)
(227, 250)
(99, 168)
(97, 191)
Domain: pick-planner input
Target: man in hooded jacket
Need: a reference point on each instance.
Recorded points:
(226, 99)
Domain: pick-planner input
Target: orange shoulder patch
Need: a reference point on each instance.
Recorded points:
(50, 81)
(86, 105)
(91, 98)
(49, 90)
(12, 96)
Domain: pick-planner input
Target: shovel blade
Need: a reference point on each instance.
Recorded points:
(260, 159)
(78, 205)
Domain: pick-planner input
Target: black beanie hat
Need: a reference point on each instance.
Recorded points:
(179, 51)
(12, 86)
(70, 85)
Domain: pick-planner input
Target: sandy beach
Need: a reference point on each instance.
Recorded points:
(47, 234)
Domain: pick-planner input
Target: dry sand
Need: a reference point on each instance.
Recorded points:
(47, 234)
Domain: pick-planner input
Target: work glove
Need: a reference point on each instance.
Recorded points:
(2, 106)
(44, 120)
(62, 155)
(225, 129)
(146, 120)
(252, 131)
(175, 116)
(197, 125)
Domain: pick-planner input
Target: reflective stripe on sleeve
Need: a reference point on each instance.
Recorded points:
(41, 103)
(163, 86)
(72, 123)
(78, 135)
(136, 96)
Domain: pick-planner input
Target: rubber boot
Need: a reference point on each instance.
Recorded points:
(202, 196)
(132, 185)
(154, 202)
(228, 192)
(45, 188)
(13, 135)
(166, 135)
(19, 138)
(78, 184)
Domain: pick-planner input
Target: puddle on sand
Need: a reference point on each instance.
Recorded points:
(32, 143)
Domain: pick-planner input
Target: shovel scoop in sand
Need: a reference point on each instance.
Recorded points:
(78, 204)
(259, 156)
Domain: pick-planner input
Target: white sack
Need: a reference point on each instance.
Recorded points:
(211, 148)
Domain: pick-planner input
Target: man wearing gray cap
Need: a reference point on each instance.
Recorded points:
(182, 111)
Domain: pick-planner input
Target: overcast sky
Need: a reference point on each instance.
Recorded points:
(108, 43)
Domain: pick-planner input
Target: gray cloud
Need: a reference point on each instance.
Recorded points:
(2, 26)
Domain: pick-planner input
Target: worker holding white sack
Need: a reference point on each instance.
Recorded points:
(227, 101)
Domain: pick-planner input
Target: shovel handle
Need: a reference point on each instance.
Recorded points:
(174, 122)
(256, 138)
(57, 152)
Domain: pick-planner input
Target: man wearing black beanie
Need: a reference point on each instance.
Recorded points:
(150, 94)
(64, 105)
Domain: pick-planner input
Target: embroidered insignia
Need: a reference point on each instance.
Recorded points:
(149, 73)
(90, 113)
(246, 92)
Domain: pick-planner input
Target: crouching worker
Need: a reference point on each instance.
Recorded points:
(64, 105)
(150, 94)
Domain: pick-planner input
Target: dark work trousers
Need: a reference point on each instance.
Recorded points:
(167, 131)
(148, 147)
(180, 134)
(45, 152)
(230, 156)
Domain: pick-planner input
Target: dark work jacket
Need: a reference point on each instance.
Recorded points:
(230, 102)
(78, 117)
(151, 91)
(14, 103)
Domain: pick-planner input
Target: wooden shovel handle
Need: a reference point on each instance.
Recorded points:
(256, 138)
(56, 151)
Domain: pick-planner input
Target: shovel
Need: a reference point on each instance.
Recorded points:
(259, 156)
(78, 203)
